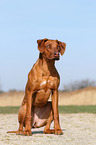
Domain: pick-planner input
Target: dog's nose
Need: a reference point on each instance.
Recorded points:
(56, 53)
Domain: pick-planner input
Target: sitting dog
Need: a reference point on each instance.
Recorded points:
(43, 82)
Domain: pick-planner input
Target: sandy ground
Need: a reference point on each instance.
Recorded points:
(78, 129)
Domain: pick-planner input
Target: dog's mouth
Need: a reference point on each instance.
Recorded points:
(53, 57)
(57, 58)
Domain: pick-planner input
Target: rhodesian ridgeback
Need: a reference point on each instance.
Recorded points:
(43, 82)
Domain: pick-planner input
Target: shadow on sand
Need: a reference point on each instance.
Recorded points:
(41, 132)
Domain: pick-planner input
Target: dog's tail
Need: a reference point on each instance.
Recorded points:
(12, 131)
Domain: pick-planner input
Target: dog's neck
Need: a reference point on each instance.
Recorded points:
(46, 64)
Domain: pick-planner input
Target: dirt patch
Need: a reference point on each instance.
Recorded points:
(78, 129)
(85, 96)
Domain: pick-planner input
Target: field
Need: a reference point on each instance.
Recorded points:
(85, 96)
(77, 118)
(62, 109)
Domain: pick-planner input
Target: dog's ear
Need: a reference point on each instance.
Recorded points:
(62, 47)
(41, 44)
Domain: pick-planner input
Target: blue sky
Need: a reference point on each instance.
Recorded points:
(23, 22)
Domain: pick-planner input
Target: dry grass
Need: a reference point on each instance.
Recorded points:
(85, 96)
(11, 98)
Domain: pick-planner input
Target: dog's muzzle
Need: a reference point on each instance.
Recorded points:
(56, 54)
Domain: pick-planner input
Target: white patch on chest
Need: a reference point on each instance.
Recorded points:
(43, 83)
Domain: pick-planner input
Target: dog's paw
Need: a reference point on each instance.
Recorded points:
(58, 132)
(19, 132)
(27, 133)
(49, 131)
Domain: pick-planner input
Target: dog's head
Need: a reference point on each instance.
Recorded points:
(51, 48)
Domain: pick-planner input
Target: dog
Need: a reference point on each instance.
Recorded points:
(43, 81)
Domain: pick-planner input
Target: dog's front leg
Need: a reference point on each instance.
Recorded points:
(28, 118)
(57, 128)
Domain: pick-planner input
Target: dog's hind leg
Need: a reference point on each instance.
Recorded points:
(21, 119)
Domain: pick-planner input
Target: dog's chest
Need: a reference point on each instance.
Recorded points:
(43, 89)
(49, 82)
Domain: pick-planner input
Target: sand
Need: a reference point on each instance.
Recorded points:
(78, 129)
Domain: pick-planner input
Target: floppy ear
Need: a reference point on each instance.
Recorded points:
(62, 47)
(41, 44)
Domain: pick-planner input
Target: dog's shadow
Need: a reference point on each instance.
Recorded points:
(37, 132)
(41, 132)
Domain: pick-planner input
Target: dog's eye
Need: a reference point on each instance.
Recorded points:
(48, 46)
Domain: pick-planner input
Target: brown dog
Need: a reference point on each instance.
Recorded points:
(43, 82)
